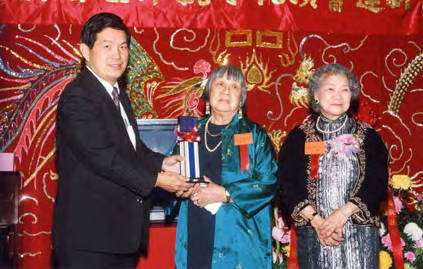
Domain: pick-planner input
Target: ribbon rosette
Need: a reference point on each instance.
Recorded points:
(189, 136)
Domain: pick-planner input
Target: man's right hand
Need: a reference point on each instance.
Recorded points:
(172, 182)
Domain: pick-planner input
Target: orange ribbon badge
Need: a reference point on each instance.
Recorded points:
(314, 149)
(243, 140)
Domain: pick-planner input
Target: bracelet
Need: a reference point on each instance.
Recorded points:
(312, 216)
(343, 213)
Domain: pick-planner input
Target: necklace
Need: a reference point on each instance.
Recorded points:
(212, 135)
(330, 132)
(205, 137)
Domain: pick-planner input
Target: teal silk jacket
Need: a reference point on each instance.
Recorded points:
(242, 236)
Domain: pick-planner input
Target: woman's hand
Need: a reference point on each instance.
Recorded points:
(211, 193)
(334, 239)
(331, 228)
(316, 223)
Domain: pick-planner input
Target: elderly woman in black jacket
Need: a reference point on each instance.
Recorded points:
(333, 176)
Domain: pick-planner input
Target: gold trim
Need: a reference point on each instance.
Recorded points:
(248, 34)
(269, 34)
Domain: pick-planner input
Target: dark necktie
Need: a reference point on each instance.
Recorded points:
(115, 97)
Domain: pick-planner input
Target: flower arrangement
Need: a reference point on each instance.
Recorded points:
(281, 241)
(409, 214)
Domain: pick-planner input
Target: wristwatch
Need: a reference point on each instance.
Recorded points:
(312, 216)
(228, 197)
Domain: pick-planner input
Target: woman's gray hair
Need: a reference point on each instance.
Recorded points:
(233, 73)
(320, 73)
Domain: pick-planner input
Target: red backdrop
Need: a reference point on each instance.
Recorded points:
(176, 44)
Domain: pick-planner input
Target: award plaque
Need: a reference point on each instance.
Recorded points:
(188, 148)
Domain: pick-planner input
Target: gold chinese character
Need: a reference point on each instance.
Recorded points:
(204, 2)
(313, 3)
(118, 1)
(277, 2)
(397, 4)
(336, 5)
(185, 2)
(369, 5)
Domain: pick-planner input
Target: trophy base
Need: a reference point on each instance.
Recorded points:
(200, 181)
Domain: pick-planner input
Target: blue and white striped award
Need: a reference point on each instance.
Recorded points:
(188, 148)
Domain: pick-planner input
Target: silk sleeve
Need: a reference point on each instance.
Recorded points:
(292, 194)
(251, 194)
(374, 187)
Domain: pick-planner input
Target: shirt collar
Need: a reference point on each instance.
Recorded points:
(107, 85)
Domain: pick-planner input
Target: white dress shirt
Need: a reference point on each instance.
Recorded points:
(109, 89)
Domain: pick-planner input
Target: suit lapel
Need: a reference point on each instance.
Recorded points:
(96, 87)
(104, 97)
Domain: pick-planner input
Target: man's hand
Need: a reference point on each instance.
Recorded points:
(172, 163)
(185, 194)
(172, 182)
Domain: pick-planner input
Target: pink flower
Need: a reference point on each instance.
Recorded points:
(281, 222)
(343, 146)
(275, 257)
(419, 243)
(280, 257)
(203, 67)
(346, 139)
(386, 242)
(286, 238)
(410, 256)
(398, 204)
(277, 233)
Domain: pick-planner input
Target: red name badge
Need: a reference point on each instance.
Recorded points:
(314, 149)
(243, 140)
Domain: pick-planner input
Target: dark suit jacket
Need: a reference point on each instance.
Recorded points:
(102, 199)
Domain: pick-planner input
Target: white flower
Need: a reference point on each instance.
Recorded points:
(382, 229)
(408, 266)
(413, 231)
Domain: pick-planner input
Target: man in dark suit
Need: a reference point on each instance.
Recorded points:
(106, 174)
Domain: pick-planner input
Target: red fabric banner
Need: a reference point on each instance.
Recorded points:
(40, 56)
(333, 16)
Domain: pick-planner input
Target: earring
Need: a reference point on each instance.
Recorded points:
(240, 112)
(207, 108)
(316, 101)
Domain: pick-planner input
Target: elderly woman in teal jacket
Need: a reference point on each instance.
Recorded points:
(227, 223)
